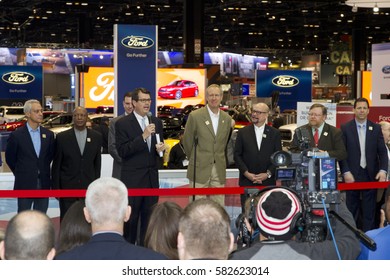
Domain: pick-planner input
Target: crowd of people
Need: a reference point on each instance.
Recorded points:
(111, 224)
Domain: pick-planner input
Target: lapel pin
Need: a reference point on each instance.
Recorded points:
(325, 133)
(88, 139)
(43, 136)
(370, 128)
(207, 122)
(264, 135)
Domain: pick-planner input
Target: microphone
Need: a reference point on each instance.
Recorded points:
(149, 115)
(158, 140)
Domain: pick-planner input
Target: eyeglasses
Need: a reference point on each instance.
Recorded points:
(145, 100)
(314, 115)
(258, 112)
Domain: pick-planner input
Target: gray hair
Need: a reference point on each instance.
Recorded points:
(106, 200)
(28, 105)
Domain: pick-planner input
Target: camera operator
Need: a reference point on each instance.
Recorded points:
(280, 218)
(318, 134)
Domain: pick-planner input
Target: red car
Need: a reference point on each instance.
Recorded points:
(11, 126)
(179, 89)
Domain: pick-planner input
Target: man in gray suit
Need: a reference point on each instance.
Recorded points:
(205, 138)
(128, 106)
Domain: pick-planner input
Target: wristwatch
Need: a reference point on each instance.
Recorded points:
(269, 174)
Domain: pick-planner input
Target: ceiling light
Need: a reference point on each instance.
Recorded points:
(376, 9)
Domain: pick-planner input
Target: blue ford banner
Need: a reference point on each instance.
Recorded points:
(20, 83)
(135, 61)
(292, 85)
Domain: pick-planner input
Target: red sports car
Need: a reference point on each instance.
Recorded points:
(179, 89)
(11, 126)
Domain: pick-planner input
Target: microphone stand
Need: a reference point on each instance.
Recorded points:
(367, 241)
(193, 183)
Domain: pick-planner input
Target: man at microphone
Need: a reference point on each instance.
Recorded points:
(140, 144)
(321, 135)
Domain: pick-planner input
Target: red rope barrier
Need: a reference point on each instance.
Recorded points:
(170, 192)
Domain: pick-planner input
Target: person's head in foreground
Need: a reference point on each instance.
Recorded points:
(277, 214)
(29, 235)
(204, 231)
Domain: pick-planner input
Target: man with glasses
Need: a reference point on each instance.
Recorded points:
(137, 143)
(254, 146)
(321, 135)
(205, 138)
(29, 153)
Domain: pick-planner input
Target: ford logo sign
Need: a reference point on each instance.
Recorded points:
(137, 42)
(386, 69)
(285, 81)
(19, 78)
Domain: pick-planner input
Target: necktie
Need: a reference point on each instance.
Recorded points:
(362, 142)
(148, 140)
(315, 136)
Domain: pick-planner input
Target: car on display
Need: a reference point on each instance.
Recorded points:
(67, 121)
(179, 89)
(104, 109)
(10, 113)
(166, 110)
(11, 126)
(171, 126)
(34, 58)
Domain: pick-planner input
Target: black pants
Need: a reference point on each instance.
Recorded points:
(40, 204)
(141, 208)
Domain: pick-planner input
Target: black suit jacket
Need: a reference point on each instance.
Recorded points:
(376, 152)
(23, 161)
(248, 157)
(139, 165)
(109, 246)
(331, 140)
(71, 169)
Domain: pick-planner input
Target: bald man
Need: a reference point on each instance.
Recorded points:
(254, 146)
(77, 160)
(29, 235)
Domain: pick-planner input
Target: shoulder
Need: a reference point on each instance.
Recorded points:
(271, 129)
(347, 124)
(120, 120)
(46, 131)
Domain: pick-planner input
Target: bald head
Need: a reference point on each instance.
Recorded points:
(29, 235)
(260, 113)
(80, 116)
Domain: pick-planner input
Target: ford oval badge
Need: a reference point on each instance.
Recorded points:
(18, 78)
(137, 42)
(285, 81)
(386, 69)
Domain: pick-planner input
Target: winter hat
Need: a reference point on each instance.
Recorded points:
(276, 211)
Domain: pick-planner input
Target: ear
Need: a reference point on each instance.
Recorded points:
(51, 254)
(231, 245)
(2, 250)
(128, 213)
(86, 215)
(181, 246)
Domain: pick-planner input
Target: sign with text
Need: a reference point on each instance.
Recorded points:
(303, 113)
(135, 61)
(20, 83)
(99, 87)
(381, 74)
(292, 86)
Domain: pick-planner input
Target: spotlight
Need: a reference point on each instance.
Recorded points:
(354, 8)
(376, 8)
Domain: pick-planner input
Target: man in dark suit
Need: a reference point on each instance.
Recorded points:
(116, 166)
(136, 141)
(321, 135)
(367, 162)
(254, 146)
(77, 161)
(106, 208)
(29, 153)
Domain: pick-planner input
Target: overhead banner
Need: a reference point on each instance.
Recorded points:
(292, 86)
(20, 83)
(135, 61)
(381, 74)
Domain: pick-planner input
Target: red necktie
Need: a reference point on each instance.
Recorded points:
(315, 136)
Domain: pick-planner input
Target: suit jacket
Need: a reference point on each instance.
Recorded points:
(248, 157)
(376, 153)
(139, 165)
(23, 161)
(71, 169)
(109, 246)
(210, 148)
(112, 150)
(331, 140)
